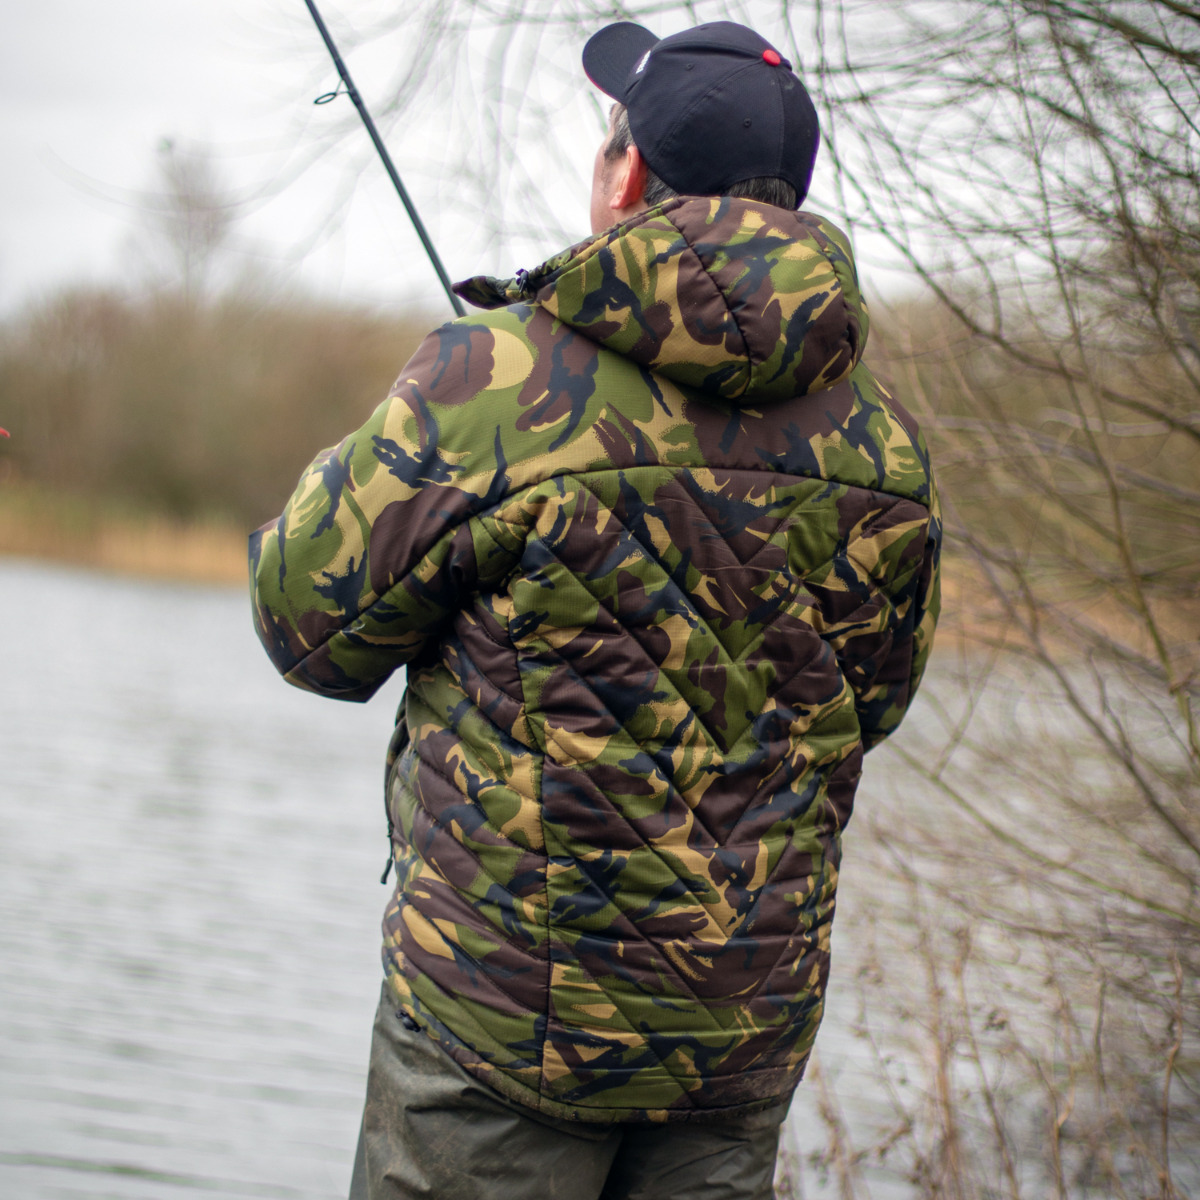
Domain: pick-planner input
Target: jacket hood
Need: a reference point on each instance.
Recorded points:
(743, 300)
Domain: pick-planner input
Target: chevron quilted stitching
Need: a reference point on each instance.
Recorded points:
(644, 627)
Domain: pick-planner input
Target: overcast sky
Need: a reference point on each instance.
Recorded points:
(87, 92)
(90, 90)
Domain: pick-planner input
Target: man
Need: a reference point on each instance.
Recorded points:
(659, 554)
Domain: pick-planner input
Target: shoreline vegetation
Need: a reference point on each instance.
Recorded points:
(153, 430)
(39, 523)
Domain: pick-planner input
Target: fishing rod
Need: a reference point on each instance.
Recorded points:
(352, 92)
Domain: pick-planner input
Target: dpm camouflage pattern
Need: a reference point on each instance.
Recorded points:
(660, 555)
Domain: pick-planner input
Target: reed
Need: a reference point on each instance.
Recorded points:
(40, 522)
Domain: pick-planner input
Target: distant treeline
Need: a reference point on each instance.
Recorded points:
(188, 407)
(211, 406)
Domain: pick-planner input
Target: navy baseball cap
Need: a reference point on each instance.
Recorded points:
(708, 107)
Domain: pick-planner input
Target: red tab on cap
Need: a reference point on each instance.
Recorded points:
(772, 57)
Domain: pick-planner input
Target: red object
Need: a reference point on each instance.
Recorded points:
(5, 433)
(772, 57)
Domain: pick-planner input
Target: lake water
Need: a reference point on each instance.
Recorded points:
(189, 905)
(189, 899)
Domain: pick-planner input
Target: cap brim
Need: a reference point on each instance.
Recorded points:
(610, 56)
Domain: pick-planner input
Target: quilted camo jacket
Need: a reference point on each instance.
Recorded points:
(660, 556)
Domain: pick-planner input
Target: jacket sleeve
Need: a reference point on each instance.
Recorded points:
(885, 665)
(385, 538)
(878, 602)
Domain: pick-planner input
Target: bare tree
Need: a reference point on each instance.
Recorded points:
(189, 218)
(1035, 165)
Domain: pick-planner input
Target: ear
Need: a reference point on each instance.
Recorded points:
(628, 182)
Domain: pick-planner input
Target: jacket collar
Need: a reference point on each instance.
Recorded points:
(743, 300)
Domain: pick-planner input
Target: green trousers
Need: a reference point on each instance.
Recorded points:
(431, 1131)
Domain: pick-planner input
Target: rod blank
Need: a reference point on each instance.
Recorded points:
(393, 174)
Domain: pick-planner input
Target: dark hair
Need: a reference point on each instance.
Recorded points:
(767, 190)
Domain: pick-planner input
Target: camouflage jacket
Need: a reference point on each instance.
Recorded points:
(659, 554)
